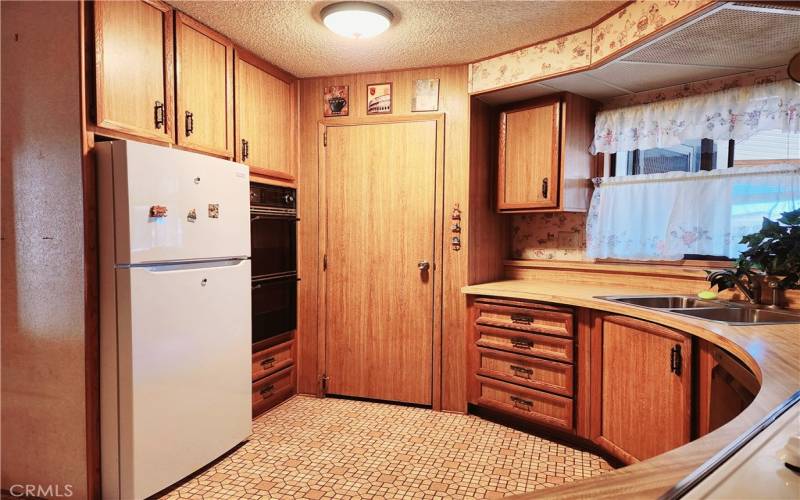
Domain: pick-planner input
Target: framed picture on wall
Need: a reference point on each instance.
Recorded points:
(337, 100)
(426, 95)
(379, 98)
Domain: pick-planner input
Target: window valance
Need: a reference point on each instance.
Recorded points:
(666, 216)
(729, 114)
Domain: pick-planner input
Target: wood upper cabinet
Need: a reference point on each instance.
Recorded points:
(204, 80)
(133, 68)
(265, 117)
(641, 387)
(543, 155)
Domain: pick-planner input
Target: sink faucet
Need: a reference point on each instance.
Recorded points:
(728, 278)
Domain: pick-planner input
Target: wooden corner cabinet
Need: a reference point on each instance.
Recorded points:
(641, 387)
(725, 387)
(544, 162)
(204, 82)
(133, 62)
(266, 104)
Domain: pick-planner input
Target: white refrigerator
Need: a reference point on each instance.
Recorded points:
(175, 326)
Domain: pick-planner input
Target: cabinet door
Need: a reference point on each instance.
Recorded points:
(264, 118)
(133, 68)
(645, 391)
(529, 157)
(204, 75)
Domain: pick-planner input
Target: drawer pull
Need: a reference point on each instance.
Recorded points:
(268, 362)
(267, 391)
(521, 319)
(521, 343)
(522, 404)
(521, 372)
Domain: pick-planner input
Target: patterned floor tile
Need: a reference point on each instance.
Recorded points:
(336, 448)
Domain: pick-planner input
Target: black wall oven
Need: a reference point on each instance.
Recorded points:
(273, 247)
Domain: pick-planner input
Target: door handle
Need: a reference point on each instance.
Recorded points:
(423, 265)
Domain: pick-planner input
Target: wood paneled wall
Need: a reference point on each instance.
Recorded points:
(454, 103)
(44, 280)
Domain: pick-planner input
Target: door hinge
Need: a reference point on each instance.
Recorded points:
(325, 262)
(325, 139)
(323, 385)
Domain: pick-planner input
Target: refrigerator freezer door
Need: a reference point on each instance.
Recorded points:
(184, 352)
(173, 205)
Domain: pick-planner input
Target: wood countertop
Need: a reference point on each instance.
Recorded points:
(772, 352)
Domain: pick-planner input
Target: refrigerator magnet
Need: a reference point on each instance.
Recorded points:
(192, 215)
(158, 211)
(213, 210)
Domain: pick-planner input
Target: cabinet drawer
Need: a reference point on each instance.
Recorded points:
(272, 359)
(526, 403)
(531, 344)
(273, 389)
(536, 373)
(550, 321)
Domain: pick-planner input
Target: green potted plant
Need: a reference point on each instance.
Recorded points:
(773, 254)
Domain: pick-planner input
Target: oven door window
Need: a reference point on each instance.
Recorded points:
(273, 243)
(274, 307)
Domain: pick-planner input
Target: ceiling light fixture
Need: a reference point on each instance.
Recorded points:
(356, 19)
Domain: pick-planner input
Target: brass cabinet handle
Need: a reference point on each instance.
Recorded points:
(189, 123)
(158, 114)
(521, 343)
(521, 319)
(522, 404)
(423, 265)
(544, 187)
(267, 391)
(526, 372)
(245, 149)
(268, 362)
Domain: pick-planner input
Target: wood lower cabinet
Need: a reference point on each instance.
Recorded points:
(204, 81)
(543, 154)
(725, 387)
(641, 386)
(522, 361)
(631, 388)
(134, 68)
(274, 377)
(265, 117)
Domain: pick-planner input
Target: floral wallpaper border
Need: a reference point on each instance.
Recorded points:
(615, 33)
(534, 62)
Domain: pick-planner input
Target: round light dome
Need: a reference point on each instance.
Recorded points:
(356, 19)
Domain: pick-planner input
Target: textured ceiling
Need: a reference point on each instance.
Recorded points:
(290, 34)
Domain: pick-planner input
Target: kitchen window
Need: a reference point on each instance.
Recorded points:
(763, 148)
(691, 176)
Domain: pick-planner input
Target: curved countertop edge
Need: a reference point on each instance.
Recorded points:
(770, 351)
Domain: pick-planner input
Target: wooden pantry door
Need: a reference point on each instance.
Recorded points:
(379, 209)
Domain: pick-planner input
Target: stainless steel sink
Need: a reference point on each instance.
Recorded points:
(743, 315)
(662, 301)
(711, 310)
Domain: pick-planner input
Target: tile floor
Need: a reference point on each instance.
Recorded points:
(336, 448)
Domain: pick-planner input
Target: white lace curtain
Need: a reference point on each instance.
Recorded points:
(665, 216)
(729, 114)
